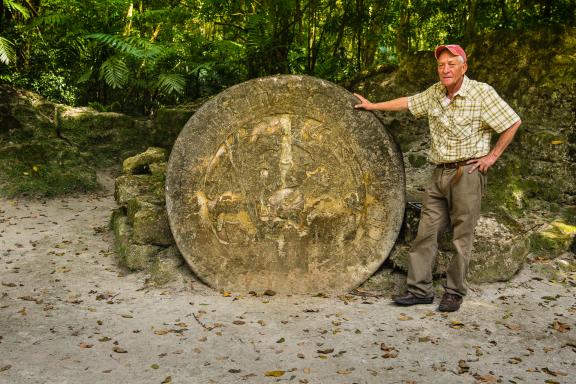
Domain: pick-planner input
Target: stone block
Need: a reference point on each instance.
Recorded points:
(553, 240)
(151, 226)
(132, 256)
(497, 255)
(128, 187)
(140, 163)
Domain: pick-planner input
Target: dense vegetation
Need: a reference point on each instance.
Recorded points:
(132, 56)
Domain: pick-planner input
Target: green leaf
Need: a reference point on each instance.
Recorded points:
(171, 83)
(132, 46)
(14, 6)
(115, 72)
(50, 20)
(7, 53)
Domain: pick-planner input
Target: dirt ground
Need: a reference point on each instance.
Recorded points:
(69, 314)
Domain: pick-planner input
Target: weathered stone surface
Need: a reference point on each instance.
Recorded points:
(132, 256)
(128, 187)
(139, 164)
(553, 240)
(497, 254)
(386, 282)
(158, 169)
(165, 266)
(150, 226)
(278, 183)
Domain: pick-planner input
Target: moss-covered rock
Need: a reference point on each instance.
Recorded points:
(44, 168)
(151, 226)
(143, 236)
(135, 257)
(553, 240)
(128, 187)
(497, 254)
(386, 281)
(165, 267)
(140, 163)
(50, 149)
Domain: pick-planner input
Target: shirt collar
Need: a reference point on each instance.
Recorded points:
(463, 91)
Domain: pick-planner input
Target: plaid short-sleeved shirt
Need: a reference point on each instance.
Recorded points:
(461, 129)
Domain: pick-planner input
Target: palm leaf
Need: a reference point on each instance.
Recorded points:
(49, 20)
(7, 52)
(115, 72)
(14, 6)
(132, 46)
(171, 83)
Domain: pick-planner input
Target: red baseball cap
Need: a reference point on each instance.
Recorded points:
(453, 48)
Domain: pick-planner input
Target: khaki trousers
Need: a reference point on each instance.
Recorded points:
(446, 204)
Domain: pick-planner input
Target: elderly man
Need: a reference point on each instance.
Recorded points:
(462, 114)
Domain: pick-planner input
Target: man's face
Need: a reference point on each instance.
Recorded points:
(450, 68)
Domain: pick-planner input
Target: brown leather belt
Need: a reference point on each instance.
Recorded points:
(452, 165)
(457, 166)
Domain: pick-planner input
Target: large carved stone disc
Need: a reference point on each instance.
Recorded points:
(279, 183)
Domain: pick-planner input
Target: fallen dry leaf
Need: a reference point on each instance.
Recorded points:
(513, 327)
(463, 367)
(167, 380)
(553, 373)
(238, 322)
(346, 371)
(485, 378)
(389, 352)
(456, 324)
(86, 345)
(325, 351)
(274, 373)
(5, 368)
(119, 350)
(404, 317)
(560, 327)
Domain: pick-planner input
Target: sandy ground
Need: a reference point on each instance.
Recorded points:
(69, 314)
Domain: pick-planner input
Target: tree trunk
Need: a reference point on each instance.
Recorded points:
(403, 36)
(470, 26)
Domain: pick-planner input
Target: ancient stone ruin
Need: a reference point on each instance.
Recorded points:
(279, 183)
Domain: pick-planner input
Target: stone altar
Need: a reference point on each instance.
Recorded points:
(279, 183)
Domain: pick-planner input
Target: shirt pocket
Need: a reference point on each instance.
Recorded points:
(465, 126)
(439, 120)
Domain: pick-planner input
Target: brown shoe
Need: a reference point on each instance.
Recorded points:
(450, 302)
(411, 299)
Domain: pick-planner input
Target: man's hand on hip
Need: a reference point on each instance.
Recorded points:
(483, 163)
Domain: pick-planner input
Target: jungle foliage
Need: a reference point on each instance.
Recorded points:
(131, 56)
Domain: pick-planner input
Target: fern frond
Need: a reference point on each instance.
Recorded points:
(171, 83)
(149, 50)
(115, 72)
(7, 52)
(85, 76)
(14, 6)
(132, 46)
(49, 20)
